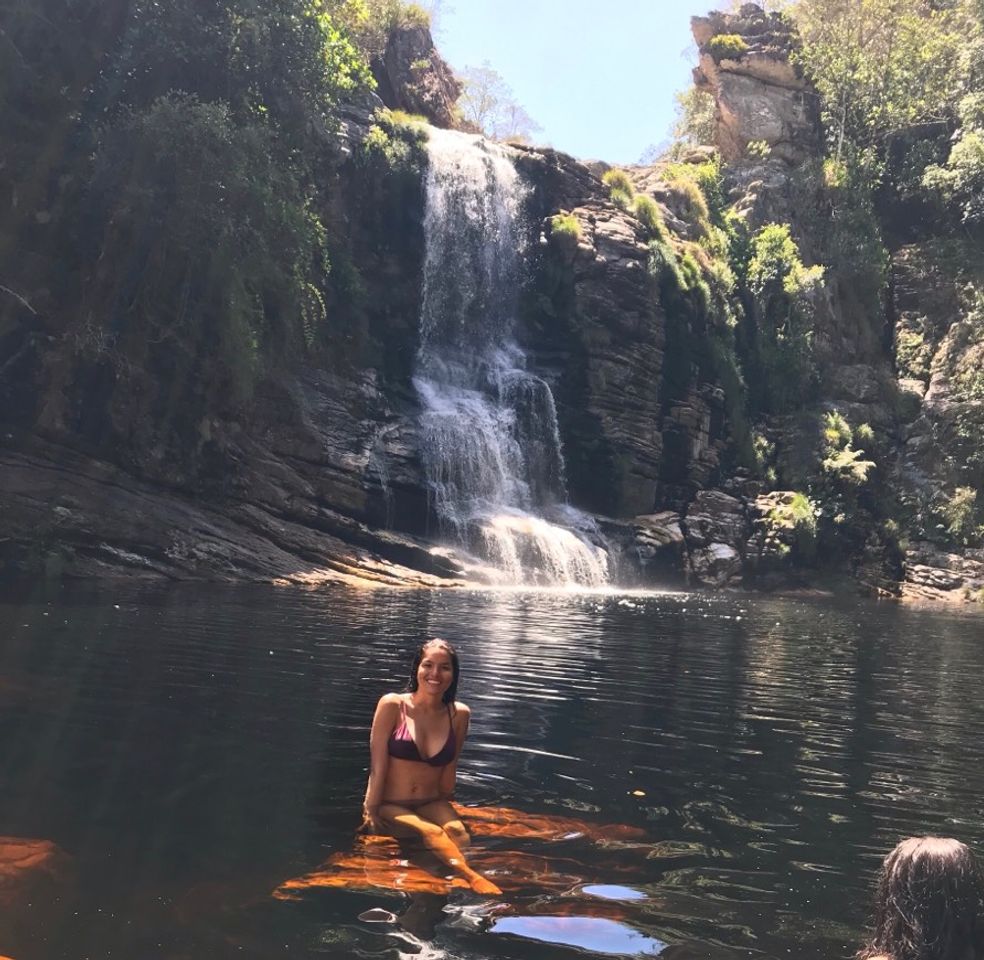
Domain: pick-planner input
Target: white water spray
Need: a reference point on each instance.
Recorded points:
(490, 441)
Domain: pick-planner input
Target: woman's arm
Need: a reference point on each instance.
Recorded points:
(383, 724)
(449, 775)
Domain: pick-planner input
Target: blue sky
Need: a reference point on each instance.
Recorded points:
(599, 78)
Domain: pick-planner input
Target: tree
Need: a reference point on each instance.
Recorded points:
(487, 101)
(880, 66)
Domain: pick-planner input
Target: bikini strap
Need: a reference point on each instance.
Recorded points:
(403, 717)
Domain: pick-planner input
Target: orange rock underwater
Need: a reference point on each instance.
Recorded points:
(381, 862)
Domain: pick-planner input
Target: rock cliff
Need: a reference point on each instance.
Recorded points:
(633, 322)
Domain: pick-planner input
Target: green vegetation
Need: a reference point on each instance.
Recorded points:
(912, 354)
(174, 155)
(565, 229)
(727, 46)
(842, 462)
(880, 67)
(794, 517)
(784, 294)
(396, 139)
(960, 181)
(647, 212)
(961, 513)
(695, 119)
(700, 186)
(758, 149)
(370, 23)
(620, 189)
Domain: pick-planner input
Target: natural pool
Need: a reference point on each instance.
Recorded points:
(192, 747)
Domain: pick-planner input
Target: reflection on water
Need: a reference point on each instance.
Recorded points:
(589, 933)
(188, 750)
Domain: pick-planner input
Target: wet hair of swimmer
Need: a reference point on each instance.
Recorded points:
(929, 903)
(452, 691)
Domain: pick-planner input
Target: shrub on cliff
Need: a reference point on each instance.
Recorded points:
(790, 525)
(287, 60)
(784, 293)
(695, 124)
(396, 139)
(727, 46)
(961, 514)
(700, 186)
(842, 462)
(663, 265)
(647, 212)
(565, 230)
(620, 189)
(372, 22)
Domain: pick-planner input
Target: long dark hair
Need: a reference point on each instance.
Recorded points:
(929, 903)
(451, 691)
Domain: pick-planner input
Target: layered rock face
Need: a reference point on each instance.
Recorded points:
(938, 450)
(594, 321)
(759, 96)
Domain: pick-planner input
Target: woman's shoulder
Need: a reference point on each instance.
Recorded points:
(390, 700)
(462, 709)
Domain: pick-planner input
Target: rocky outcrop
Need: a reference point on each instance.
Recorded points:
(599, 324)
(601, 332)
(73, 515)
(940, 437)
(411, 75)
(760, 97)
(933, 572)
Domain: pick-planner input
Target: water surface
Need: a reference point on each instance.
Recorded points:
(191, 748)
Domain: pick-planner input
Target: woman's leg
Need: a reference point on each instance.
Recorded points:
(409, 824)
(446, 817)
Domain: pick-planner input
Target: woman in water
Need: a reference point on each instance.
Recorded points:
(929, 903)
(414, 747)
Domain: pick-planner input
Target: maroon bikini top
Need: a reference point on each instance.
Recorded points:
(402, 747)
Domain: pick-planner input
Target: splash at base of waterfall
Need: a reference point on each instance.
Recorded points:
(524, 546)
(526, 550)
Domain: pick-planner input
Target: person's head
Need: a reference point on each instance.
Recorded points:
(929, 903)
(437, 656)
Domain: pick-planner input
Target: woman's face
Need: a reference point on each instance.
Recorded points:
(436, 672)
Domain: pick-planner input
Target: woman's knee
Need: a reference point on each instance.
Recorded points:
(456, 832)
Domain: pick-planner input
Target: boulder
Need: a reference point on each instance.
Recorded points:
(657, 547)
(716, 529)
(716, 517)
(716, 564)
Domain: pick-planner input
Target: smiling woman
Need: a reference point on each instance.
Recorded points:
(414, 747)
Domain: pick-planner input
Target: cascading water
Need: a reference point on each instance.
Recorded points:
(490, 442)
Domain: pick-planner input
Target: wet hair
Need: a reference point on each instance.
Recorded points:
(451, 691)
(929, 903)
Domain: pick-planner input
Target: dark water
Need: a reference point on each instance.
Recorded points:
(191, 748)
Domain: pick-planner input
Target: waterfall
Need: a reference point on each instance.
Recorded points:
(490, 442)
